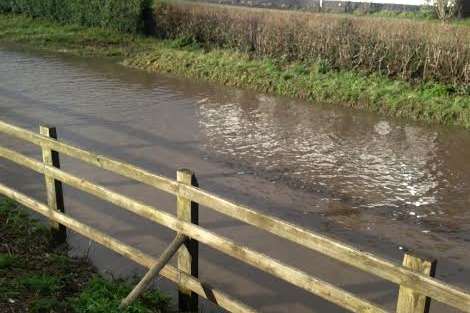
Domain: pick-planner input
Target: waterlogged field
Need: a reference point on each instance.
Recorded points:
(382, 185)
(387, 185)
(316, 82)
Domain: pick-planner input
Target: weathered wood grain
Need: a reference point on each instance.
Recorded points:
(188, 255)
(154, 271)
(54, 192)
(409, 301)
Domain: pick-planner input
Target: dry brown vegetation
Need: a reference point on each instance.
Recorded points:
(407, 49)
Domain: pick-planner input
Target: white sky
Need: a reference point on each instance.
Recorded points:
(410, 2)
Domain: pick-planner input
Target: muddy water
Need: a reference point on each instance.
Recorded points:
(383, 185)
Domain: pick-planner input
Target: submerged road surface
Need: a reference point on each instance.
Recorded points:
(386, 186)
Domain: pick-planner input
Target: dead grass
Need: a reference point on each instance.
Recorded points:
(399, 48)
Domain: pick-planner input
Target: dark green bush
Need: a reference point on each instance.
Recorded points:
(118, 15)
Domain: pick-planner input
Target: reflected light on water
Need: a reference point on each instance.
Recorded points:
(376, 165)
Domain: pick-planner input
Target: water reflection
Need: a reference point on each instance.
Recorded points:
(370, 164)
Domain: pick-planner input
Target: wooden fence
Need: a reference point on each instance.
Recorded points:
(414, 276)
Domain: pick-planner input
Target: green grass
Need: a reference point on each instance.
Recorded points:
(103, 296)
(7, 261)
(316, 82)
(37, 278)
(425, 14)
(463, 22)
(313, 82)
(66, 38)
(42, 284)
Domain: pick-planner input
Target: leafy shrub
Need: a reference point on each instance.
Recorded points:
(412, 50)
(115, 15)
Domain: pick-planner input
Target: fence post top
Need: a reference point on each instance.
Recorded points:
(185, 171)
(44, 125)
(420, 256)
(47, 130)
(187, 176)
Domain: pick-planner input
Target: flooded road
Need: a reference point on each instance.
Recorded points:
(382, 185)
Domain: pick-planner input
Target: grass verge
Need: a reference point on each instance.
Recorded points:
(316, 82)
(36, 278)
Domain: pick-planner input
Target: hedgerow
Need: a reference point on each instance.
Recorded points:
(118, 15)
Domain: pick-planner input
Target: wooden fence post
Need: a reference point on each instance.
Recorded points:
(188, 262)
(55, 196)
(410, 301)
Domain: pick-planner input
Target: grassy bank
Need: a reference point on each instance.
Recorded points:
(315, 81)
(36, 278)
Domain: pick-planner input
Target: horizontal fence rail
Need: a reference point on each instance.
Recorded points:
(412, 281)
(225, 245)
(133, 254)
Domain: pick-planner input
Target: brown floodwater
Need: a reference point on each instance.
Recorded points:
(381, 184)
